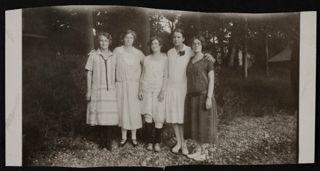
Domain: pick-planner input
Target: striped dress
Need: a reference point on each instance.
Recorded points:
(102, 107)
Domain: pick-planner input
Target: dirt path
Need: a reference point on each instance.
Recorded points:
(243, 140)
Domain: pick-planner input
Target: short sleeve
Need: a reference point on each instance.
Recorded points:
(141, 56)
(89, 65)
(210, 66)
(116, 51)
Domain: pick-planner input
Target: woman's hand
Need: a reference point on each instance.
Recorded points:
(208, 103)
(161, 96)
(209, 57)
(88, 95)
(140, 94)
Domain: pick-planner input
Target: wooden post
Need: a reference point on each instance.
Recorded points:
(267, 53)
(245, 50)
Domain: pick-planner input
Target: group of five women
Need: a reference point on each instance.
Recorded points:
(174, 88)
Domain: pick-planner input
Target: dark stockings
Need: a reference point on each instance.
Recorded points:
(105, 137)
(149, 131)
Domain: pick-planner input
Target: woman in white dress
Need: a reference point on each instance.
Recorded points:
(151, 92)
(178, 59)
(101, 92)
(128, 73)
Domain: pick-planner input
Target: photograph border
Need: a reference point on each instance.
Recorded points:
(13, 94)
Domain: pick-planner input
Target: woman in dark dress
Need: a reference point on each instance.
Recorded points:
(201, 112)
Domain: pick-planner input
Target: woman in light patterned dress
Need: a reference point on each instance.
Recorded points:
(151, 92)
(128, 73)
(101, 92)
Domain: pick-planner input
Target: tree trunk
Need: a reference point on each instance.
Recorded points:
(145, 32)
(245, 50)
(267, 54)
(232, 52)
(88, 26)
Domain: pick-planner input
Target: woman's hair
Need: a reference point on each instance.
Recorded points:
(201, 39)
(155, 38)
(105, 34)
(179, 30)
(129, 31)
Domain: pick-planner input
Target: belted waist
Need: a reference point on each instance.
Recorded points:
(191, 94)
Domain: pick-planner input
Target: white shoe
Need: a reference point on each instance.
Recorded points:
(184, 149)
(150, 147)
(193, 155)
(157, 147)
(200, 157)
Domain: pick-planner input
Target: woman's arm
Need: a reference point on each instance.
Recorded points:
(140, 95)
(89, 68)
(210, 90)
(89, 81)
(164, 80)
(209, 57)
(165, 75)
(211, 84)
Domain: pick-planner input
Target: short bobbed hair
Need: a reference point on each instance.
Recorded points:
(155, 38)
(105, 34)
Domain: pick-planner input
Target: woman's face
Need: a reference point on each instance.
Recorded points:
(177, 39)
(155, 46)
(196, 46)
(128, 39)
(103, 42)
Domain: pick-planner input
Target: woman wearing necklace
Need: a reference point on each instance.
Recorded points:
(200, 113)
(129, 60)
(101, 92)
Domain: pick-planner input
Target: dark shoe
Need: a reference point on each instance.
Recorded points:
(134, 142)
(123, 142)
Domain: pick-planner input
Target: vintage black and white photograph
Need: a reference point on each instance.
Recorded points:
(130, 86)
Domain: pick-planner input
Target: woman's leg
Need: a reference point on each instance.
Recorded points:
(108, 138)
(124, 134)
(157, 138)
(149, 131)
(183, 142)
(123, 137)
(134, 134)
(134, 137)
(177, 147)
(101, 135)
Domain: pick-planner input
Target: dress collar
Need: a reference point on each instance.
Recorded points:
(103, 55)
(183, 48)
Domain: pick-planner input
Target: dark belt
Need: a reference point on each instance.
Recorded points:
(192, 94)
